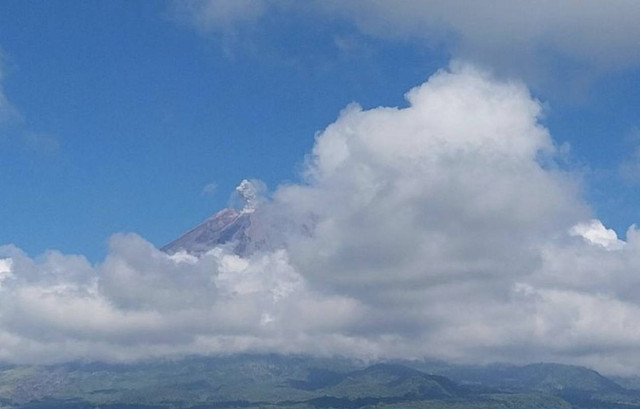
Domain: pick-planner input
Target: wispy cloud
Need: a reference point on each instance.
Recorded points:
(220, 16)
(8, 112)
(592, 31)
(629, 168)
(210, 188)
(13, 125)
(562, 43)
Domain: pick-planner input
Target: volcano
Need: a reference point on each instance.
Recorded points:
(234, 228)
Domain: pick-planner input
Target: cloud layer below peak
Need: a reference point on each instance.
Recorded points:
(438, 230)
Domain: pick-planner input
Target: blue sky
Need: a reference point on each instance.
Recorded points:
(125, 111)
(143, 112)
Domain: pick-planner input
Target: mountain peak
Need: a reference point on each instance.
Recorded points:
(238, 228)
(226, 226)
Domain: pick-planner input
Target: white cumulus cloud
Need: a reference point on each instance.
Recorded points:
(441, 229)
(595, 232)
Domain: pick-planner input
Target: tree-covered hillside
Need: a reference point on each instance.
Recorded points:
(274, 381)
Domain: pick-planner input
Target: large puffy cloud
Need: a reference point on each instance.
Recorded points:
(442, 229)
(141, 302)
(455, 179)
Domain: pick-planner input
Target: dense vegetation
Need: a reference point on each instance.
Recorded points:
(272, 381)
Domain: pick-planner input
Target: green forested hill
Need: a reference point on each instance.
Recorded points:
(304, 382)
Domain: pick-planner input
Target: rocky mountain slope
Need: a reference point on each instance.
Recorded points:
(236, 228)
